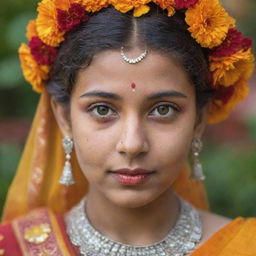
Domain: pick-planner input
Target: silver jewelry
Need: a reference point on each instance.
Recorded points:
(67, 175)
(197, 169)
(133, 61)
(180, 241)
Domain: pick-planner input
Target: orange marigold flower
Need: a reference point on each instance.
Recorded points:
(31, 30)
(140, 6)
(65, 4)
(209, 23)
(226, 99)
(94, 5)
(35, 74)
(47, 24)
(166, 4)
(228, 70)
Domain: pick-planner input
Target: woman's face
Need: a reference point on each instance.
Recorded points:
(115, 127)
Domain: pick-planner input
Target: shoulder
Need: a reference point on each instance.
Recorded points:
(212, 223)
(224, 236)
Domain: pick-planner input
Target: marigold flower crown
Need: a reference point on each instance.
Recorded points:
(231, 61)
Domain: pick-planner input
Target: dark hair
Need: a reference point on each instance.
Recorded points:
(111, 29)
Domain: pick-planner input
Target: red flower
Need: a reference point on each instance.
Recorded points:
(247, 43)
(224, 94)
(67, 20)
(42, 53)
(180, 4)
(233, 43)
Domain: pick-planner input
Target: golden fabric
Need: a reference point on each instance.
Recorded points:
(36, 182)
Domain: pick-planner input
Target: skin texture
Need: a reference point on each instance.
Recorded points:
(134, 133)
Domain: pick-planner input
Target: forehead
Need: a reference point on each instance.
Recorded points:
(109, 72)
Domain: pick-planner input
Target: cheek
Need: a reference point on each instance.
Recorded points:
(92, 145)
(173, 146)
(174, 149)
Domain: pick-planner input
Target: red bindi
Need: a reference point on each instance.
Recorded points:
(133, 86)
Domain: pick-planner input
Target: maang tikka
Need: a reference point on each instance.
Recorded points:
(67, 175)
(133, 61)
(197, 169)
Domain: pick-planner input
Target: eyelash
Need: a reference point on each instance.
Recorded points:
(93, 107)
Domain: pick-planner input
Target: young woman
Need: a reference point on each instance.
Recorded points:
(129, 87)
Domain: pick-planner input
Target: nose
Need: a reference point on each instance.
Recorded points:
(133, 139)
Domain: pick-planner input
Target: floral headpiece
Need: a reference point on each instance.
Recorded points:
(231, 61)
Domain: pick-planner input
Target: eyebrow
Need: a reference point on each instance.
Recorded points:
(109, 95)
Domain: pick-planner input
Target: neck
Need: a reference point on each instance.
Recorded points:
(134, 226)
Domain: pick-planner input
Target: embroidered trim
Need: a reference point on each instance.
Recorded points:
(50, 241)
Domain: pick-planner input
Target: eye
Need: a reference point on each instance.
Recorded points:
(101, 111)
(165, 110)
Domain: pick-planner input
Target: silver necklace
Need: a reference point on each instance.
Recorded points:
(180, 241)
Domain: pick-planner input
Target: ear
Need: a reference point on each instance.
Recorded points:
(201, 123)
(62, 116)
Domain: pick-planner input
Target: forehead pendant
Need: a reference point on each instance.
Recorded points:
(133, 61)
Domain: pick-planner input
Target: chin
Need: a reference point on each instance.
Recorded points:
(132, 198)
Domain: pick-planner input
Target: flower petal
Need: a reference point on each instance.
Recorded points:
(141, 10)
(127, 5)
(94, 5)
(33, 73)
(181, 4)
(219, 110)
(31, 30)
(228, 70)
(208, 23)
(47, 24)
(166, 4)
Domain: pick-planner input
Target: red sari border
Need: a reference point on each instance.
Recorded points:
(8, 243)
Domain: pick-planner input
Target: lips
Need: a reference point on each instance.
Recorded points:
(136, 171)
(133, 177)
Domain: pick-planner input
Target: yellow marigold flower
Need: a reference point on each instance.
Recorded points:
(228, 70)
(33, 73)
(209, 23)
(140, 6)
(31, 30)
(166, 4)
(141, 10)
(218, 111)
(94, 5)
(47, 24)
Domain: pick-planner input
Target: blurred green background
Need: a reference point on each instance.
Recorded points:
(229, 155)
